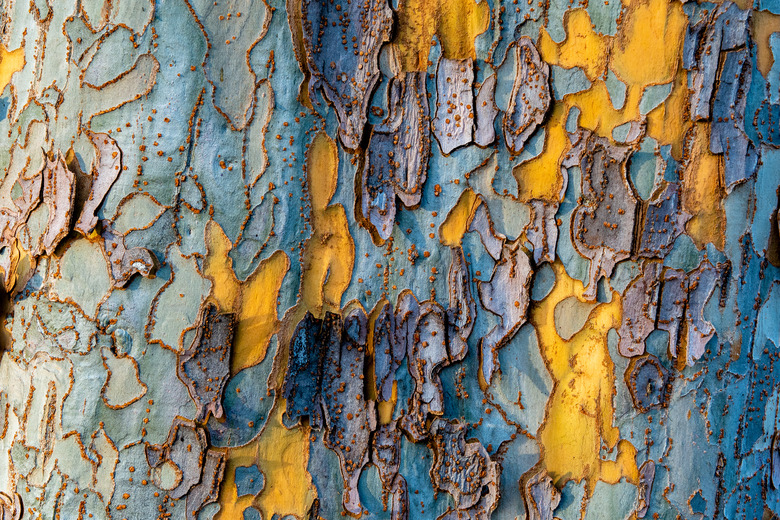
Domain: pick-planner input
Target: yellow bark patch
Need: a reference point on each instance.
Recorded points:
(647, 46)
(645, 51)
(454, 226)
(283, 456)
(583, 47)
(253, 301)
(580, 412)
(762, 25)
(597, 112)
(668, 122)
(455, 22)
(231, 505)
(540, 178)
(257, 318)
(384, 409)
(10, 63)
(703, 192)
(329, 255)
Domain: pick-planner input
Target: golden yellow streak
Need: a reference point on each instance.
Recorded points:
(456, 23)
(582, 47)
(460, 22)
(328, 260)
(257, 319)
(668, 122)
(384, 409)
(645, 51)
(284, 456)
(540, 177)
(597, 112)
(218, 267)
(253, 302)
(648, 44)
(10, 63)
(579, 412)
(416, 27)
(329, 255)
(454, 226)
(703, 191)
(231, 505)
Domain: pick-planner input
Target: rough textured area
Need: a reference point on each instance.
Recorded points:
(389, 259)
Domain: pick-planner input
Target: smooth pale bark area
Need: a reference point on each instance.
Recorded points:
(389, 259)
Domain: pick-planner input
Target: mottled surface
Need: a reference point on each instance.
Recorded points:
(389, 259)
